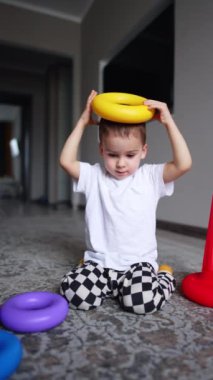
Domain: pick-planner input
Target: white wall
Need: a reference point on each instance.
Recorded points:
(193, 110)
(106, 28)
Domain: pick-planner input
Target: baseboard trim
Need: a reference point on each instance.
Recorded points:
(183, 229)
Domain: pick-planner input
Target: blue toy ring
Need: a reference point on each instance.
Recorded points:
(10, 354)
(33, 311)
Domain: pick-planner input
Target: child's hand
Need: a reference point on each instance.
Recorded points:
(163, 114)
(86, 116)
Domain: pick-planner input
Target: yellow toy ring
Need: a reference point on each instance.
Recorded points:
(122, 107)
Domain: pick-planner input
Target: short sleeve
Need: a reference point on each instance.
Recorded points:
(83, 183)
(161, 188)
(88, 178)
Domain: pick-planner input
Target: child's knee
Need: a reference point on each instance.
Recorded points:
(79, 297)
(141, 292)
(147, 302)
(138, 305)
(83, 287)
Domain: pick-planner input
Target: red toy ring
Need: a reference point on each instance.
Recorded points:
(33, 311)
(198, 287)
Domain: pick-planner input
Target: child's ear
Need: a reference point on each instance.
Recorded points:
(144, 151)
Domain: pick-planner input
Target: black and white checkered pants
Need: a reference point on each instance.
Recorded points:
(139, 289)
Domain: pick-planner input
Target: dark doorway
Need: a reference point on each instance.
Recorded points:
(45, 120)
(146, 65)
(6, 131)
(5, 156)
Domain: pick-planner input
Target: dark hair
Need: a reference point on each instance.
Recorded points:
(120, 129)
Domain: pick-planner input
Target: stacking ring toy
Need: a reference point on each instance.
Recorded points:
(122, 107)
(10, 354)
(198, 287)
(33, 311)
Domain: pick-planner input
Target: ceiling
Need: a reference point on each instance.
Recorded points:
(73, 10)
(20, 59)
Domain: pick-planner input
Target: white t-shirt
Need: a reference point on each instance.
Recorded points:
(120, 215)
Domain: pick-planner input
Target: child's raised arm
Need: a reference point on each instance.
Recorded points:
(182, 161)
(69, 155)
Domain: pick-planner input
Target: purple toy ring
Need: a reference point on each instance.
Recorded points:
(33, 311)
